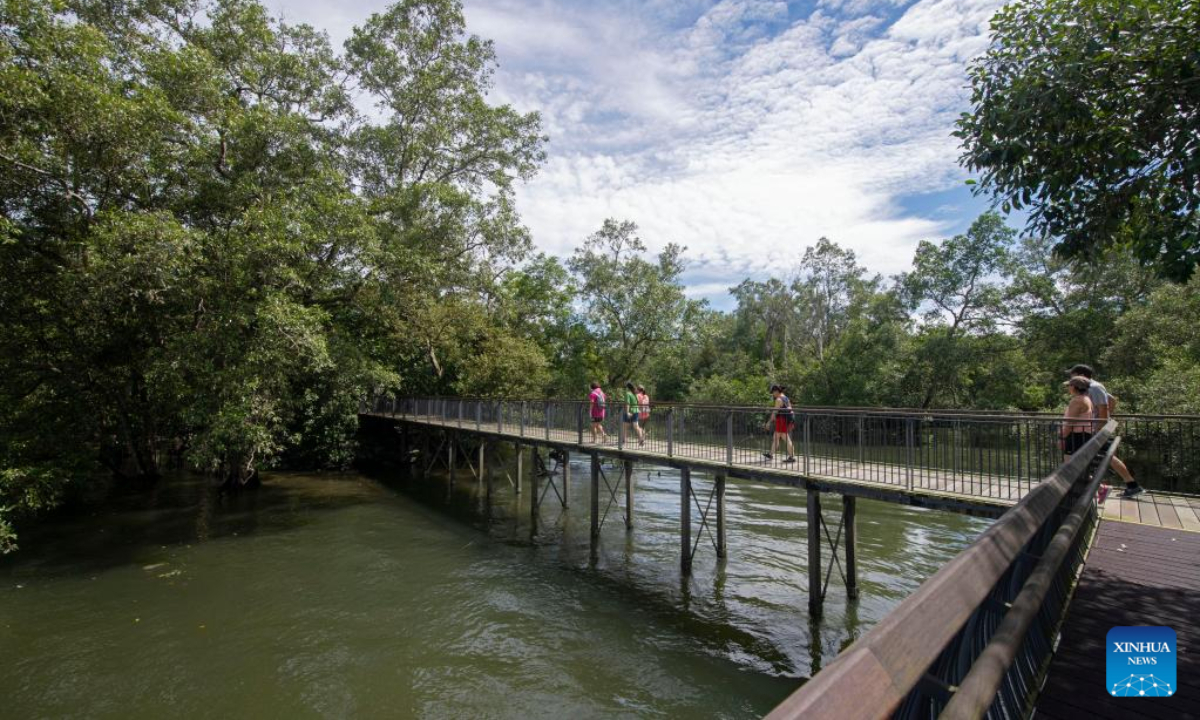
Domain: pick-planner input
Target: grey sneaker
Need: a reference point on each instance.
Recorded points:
(790, 459)
(768, 456)
(1133, 491)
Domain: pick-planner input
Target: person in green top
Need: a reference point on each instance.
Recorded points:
(631, 412)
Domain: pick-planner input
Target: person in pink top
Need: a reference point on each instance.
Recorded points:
(597, 402)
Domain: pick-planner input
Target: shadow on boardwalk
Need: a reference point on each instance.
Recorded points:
(1135, 575)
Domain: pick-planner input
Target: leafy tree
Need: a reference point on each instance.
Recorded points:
(1085, 112)
(208, 252)
(958, 285)
(633, 307)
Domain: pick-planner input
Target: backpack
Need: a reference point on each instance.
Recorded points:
(786, 410)
(600, 399)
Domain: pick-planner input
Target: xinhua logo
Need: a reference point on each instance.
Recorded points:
(1141, 662)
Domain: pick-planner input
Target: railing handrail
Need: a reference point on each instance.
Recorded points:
(875, 675)
(962, 413)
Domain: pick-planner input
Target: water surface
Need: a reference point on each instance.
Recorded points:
(342, 595)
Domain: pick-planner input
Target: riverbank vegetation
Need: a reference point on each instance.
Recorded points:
(218, 232)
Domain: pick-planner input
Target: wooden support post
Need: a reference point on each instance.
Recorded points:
(720, 516)
(685, 520)
(405, 455)
(595, 499)
(814, 553)
(628, 493)
(488, 475)
(482, 449)
(566, 478)
(533, 489)
(849, 511)
(520, 467)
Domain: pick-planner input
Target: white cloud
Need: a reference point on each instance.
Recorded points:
(733, 127)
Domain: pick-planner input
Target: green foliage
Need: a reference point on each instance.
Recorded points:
(1155, 354)
(208, 251)
(1085, 113)
(633, 307)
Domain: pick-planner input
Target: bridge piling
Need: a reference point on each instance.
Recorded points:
(628, 494)
(488, 473)
(849, 514)
(520, 452)
(815, 600)
(566, 482)
(685, 520)
(595, 536)
(534, 495)
(721, 548)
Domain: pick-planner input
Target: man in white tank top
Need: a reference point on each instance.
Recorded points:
(1102, 407)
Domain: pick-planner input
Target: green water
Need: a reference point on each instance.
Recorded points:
(343, 596)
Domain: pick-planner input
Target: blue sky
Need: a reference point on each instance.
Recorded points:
(743, 129)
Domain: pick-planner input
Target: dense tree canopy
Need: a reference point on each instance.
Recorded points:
(210, 253)
(1087, 112)
(218, 234)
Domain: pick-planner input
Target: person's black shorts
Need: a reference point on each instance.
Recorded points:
(630, 417)
(1074, 441)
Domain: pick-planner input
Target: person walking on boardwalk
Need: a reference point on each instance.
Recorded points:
(1076, 429)
(643, 409)
(784, 419)
(631, 413)
(597, 402)
(1103, 407)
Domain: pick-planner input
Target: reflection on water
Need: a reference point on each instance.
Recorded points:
(341, 595)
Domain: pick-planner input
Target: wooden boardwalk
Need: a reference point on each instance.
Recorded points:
(1175, 512)
(1135, 575)
(970, 492)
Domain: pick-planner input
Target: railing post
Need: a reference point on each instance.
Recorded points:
(524, 412)
(621, 431)
(807, 440)
(579, 421)
(671, 432)
(546, 417)
(729, 437)
(478, 414)
(861, 428)
(499, 417)
(460, 412)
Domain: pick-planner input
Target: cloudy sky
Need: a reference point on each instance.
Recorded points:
(743, 129)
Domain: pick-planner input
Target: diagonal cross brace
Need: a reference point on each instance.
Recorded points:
(834, 543)
(539, 467)
(612, 495)
(704, 526)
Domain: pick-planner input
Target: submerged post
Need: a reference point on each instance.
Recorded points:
(720, 516)
(533, 488)
(595, 500)
(566, 483)
(520, 450)
(628, 493)
(685, 520)
(814, 552)
(848, 515)
(489, 475)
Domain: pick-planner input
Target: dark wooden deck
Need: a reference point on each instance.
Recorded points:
(1135, 575)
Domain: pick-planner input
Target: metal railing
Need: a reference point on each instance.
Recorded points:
(976, 638)
(998, 457)
(1162, 451)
